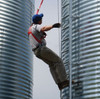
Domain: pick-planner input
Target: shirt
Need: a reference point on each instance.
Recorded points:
(36, 29)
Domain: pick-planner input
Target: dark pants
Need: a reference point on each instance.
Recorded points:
(54, 61)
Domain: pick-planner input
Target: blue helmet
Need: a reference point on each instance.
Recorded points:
(36, 18)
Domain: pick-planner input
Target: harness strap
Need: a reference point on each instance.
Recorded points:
(39, 7)
(35, 37)
(38, 40)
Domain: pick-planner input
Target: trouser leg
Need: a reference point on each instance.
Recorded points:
(55, 63)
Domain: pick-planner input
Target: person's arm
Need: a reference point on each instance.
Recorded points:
(47, 28)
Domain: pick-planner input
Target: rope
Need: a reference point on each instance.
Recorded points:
(58, 9)
(39, 7)
(59, 31)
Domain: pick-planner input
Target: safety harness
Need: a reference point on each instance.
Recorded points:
(35, 36)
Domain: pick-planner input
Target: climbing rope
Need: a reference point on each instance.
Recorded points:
(59, 31)
(58, 9)
(39, 7)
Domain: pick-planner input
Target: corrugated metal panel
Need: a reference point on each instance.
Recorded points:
(85, 48)
(15, 53)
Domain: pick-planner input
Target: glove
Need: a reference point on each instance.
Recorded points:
(56, 25)
(44, 34)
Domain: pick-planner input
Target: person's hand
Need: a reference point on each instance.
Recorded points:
(56, 25)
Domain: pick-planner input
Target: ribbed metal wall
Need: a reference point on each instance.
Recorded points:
(85, 48)
(15, 53)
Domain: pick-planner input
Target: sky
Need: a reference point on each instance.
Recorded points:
(44, 85)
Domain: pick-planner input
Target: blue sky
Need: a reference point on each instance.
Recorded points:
(44, 86)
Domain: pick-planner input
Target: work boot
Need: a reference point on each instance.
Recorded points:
(64, 84)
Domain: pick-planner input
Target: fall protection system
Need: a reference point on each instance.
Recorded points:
(40, 40)
(29, 32)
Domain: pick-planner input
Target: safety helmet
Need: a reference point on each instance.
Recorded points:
(37, 17)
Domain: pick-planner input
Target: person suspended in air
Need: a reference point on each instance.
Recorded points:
(38, 43)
